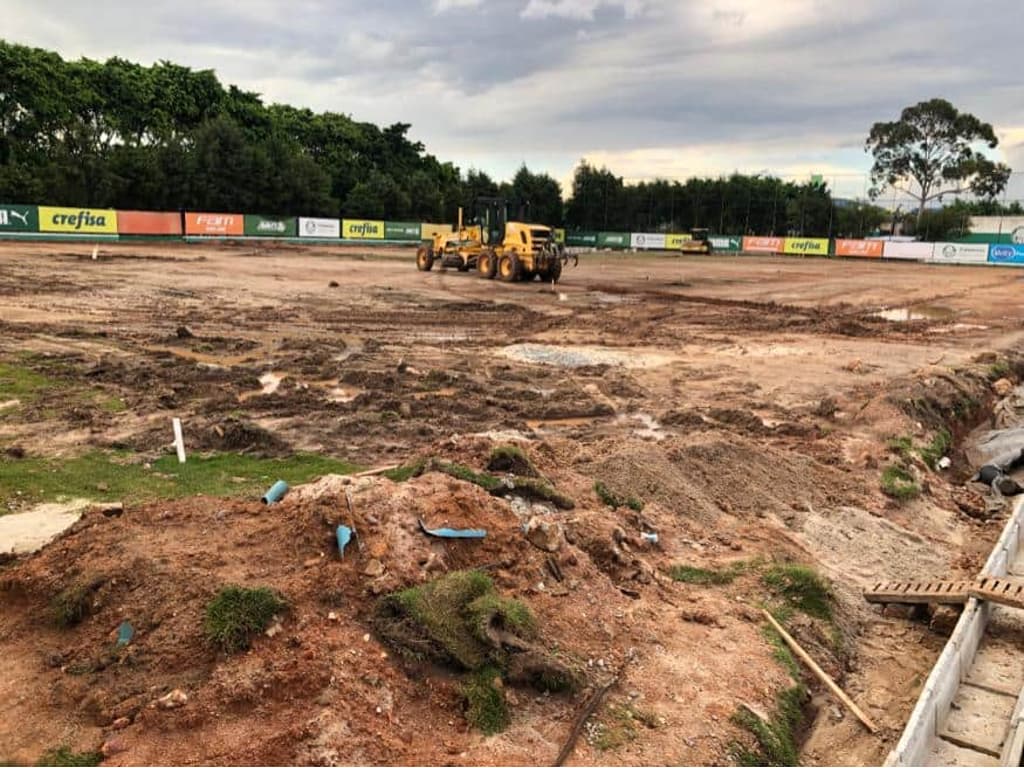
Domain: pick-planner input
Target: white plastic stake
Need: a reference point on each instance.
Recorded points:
(95, 252)
(179, 441)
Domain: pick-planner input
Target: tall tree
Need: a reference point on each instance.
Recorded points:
(931, 152)
(541, 193)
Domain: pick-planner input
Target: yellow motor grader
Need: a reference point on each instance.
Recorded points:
(495, 246)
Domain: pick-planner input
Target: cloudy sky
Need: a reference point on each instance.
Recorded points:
(649, 88)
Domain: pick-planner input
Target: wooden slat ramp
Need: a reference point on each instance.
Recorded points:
(1002, 591)
(971, 708)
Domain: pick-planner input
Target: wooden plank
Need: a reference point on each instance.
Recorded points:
(999, 594)
(821, 674)
(946, 592)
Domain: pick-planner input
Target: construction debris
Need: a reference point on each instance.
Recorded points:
(275, 493)
(821, 674)
(453, 533)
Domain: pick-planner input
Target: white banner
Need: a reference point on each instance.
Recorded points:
(960, 253)
(319, 227)
(911, 251)
(1009, 227)
(647, 241)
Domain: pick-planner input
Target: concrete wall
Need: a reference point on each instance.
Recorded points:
(956, 658)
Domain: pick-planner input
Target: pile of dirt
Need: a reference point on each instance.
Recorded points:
(708, 476)
(317, 686)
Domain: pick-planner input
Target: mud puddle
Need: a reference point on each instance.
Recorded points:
(504, 435)
(958, 327)
(25, 532)
(545, 425)
(648, 427)
(270, 382)
(582, 356)
(353, 347)
(332, 389)
(915, 313)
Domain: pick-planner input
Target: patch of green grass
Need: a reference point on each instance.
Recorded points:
(237, 614)
(776, 738)
(116, 476)
(937, 448)
(406, 471)
(461, 472)
(486, 709)
(212, 475)
(511, 458)
(801, 588)
(899, 483)
(71, 605)
(965, 406)
(449, 619)
(902, 445)
(64, 756)
(613, 500)
(621, 726)
(537, 489)
(18, 382)
(999, 370)
(930, 454)
(780, 651)
(112, 404)
(689, 574)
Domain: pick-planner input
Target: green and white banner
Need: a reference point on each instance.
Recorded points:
(581, 239)
(402, 230)
(270, 226)
(19, 218)
(724, 243)
(613, 239)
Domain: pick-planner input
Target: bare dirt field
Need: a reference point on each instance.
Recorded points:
(743, 409)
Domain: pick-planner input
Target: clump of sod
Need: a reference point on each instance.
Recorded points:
(237, 614)
(462, 621)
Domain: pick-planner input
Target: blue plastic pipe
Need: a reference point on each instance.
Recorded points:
(344, 535)
(125, 633)
(454, 533)
(276, 492)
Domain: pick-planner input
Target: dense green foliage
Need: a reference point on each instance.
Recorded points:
(735, 205)
(930, 153)
(167, 137)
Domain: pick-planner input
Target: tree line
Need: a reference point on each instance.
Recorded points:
(165, 137)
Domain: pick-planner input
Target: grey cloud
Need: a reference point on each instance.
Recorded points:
(584, 76)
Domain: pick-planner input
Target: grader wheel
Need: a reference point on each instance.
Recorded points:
(487, 265)
(554, 272)
(510, 268)
(424, 258)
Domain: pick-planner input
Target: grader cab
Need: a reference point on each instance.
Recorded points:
(495, 246)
